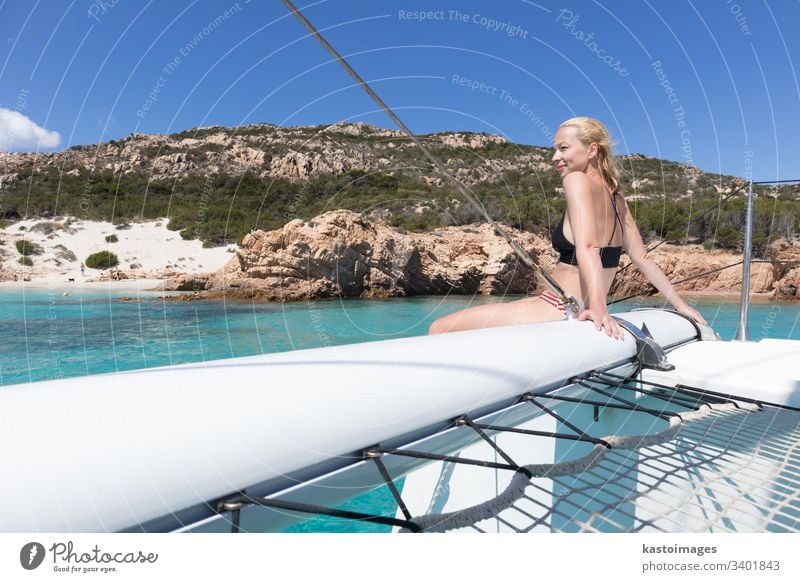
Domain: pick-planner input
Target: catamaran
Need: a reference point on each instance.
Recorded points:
(543, 427)
(549, 426)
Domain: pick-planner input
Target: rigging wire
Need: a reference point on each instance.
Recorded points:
(652, 289)
(692, 221)
(572, 304)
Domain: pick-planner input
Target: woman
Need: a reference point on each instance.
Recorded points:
(595, 229)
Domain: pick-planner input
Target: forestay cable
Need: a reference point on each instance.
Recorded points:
(572, 304)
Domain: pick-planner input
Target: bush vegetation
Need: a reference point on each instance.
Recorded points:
(102, 260)
(27, 248)
(64, 253)
(221, 209)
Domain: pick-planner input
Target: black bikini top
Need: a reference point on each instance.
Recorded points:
(609, 256)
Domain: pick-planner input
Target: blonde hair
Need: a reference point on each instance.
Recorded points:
(591, 131)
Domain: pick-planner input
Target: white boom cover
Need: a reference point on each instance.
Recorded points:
(108, 452)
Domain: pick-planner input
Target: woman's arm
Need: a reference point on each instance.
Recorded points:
(633, 245)
(582, 220)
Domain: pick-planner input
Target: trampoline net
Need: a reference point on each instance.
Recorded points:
(705, 462)
(721, 469)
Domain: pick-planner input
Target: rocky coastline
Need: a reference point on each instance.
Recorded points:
(345, 254)
(58, 208)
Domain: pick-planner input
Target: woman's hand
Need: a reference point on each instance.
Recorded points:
(602, 320)
(685, 309)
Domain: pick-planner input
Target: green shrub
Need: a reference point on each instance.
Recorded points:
(46, 227)
(65, 254)
(26, 248)
(112, 238)
(27, 261)
(518, 197)
(102, 260)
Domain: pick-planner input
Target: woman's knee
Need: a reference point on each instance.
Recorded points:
(458, 321)
(529, 310)
(437, 326)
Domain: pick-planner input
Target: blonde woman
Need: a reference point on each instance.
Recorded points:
(590, 238)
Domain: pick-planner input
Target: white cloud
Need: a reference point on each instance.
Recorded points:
(19, 132)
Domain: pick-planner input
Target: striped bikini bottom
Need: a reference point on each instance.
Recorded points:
(554, 300)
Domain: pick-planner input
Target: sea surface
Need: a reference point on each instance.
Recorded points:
(49, 333)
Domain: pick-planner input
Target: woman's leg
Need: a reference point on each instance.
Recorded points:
(528, 310)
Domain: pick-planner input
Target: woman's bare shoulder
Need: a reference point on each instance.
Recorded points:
(577, 182)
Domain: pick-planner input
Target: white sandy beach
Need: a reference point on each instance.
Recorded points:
(147, 252)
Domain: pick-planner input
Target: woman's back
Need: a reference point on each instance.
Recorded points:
(608, 218)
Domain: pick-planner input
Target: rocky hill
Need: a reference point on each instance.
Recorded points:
(219, 183)
(343, 254)
(271, 151)
(224, 185)
(268, 151)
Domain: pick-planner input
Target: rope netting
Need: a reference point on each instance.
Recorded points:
(704, 463)
(719, 469)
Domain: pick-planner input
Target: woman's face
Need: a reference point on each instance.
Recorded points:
(571, 155)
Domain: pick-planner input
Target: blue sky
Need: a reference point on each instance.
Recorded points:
(711, 83)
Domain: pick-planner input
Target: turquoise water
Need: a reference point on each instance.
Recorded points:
(46, 335)
(49, 335)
